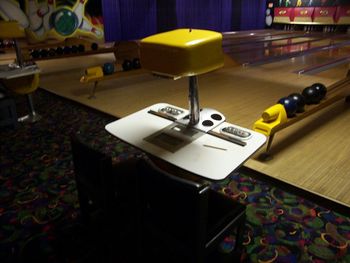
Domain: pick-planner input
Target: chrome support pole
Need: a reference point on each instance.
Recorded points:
(193, 101)
(19, 58)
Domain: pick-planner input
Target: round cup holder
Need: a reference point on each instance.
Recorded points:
(207, 123)
(208, 119)
(216, 117)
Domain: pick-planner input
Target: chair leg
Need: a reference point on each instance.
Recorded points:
(239, 236)
(32, 116)
(8, 110)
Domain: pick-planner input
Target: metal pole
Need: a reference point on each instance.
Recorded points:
(193, 101)
(19, 57)
(31, 104)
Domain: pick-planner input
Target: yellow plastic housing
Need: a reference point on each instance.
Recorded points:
(270, 119)
(11, 29)
(182, 52)
(92, 74)
(23, 85)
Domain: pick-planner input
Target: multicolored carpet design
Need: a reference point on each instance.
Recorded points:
(39, 210)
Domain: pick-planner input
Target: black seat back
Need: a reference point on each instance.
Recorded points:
(93, 171)
(173, 214)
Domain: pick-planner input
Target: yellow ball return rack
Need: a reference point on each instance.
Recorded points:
(95, 75)
(274, 119)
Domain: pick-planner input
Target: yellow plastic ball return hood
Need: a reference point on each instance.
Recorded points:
(182, 52)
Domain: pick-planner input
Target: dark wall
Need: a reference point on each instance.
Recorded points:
(135, 19)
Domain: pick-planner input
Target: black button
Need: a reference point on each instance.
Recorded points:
(207, 123)
(216, 117)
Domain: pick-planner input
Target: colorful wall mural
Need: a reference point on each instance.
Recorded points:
(55, 19)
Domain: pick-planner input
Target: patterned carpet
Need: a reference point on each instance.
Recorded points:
(39, 211)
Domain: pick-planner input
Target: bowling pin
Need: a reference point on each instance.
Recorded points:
(42, 10)
(35, 20)
(88, 27)
(268, 17)
(46, 18)
(79, 10)
(10, 11)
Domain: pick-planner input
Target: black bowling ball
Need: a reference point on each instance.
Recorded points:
(59, 51)
(9, 43)
(81, 48)
(321, 89)
(136, 63)
(35, 53)
(311, 95)
(289, 105)
(44, 53)
(299, 100)
(127, 65)
(67, 50)
(74, 49)
(94, 46)
(52, 52)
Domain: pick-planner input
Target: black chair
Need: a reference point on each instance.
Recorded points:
(8, 114)
(93, 171)
(183, 220)
(106, 200)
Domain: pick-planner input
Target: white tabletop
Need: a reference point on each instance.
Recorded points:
(203, 154)
(7, 72)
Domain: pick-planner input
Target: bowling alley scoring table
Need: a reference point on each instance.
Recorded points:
(212, 149)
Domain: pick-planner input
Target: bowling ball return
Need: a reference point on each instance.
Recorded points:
(274, 119)
(70, 47)
(97, 74)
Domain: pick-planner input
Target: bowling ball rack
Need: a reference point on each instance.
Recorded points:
(121, 50)
(73, 50)
(98, 78)
(336, 92)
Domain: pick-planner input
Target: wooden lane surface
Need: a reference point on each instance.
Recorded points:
(312, 154)
(266, 39)
(291, 40)
(268, 54)
(344, 59)
(251, 33)
(271, 44)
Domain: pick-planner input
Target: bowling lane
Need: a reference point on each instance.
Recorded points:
(261, 55)
(310, 60)
(252, 40)
(256, 37)
(272, 43)
(232, 35)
